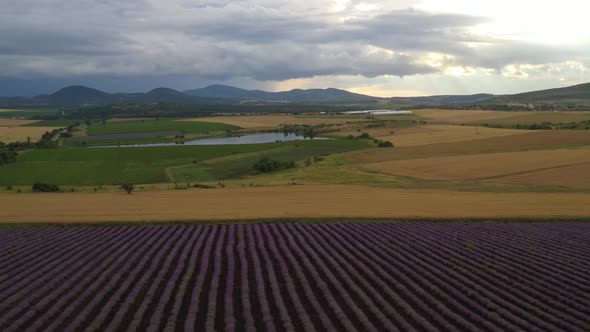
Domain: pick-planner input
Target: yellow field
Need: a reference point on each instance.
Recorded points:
(20, 134)
(529, 118)
(445, 133)
(571, 177)
(264, 121)
(533, 140)
(286, 202)
(14, 123)
(486, 166)
(464, 116)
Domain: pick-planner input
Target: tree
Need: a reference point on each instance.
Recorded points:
(128, 187)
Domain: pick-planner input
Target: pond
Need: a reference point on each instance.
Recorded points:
(246, 139)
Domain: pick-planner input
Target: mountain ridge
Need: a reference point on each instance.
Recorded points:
(80, 96)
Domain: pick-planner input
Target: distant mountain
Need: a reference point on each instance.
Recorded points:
(229, 92)
(297, 95)
(164, 95)
(577, 94)
(76, 96)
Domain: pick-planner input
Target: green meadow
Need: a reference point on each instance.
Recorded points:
(105, 166)
(143, 126)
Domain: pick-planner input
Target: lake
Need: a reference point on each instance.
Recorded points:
(246, 139)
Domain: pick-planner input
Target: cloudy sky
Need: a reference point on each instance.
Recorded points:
(383, 48)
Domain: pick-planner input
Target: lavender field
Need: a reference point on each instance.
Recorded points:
(297, 277)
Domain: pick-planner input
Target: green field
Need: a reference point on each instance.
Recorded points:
(96, 166)
(144, 126)
(126, 141)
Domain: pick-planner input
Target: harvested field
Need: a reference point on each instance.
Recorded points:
(446, 133)
(387, 131)
(530, 118)
(251, 203)
(3, 110)
(533, 140)
(20, 134)
(15, 122)
(464, 116)
(297, 277)
(484, 166)
(576, 176)
(263, 121)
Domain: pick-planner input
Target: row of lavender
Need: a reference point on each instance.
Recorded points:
(295, 277)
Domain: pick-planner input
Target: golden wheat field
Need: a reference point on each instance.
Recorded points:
(446, 133)
(532, 140)
(264, 121)
(15, 122)
(21, 134)
(484, 166)
(528, 118)
(463, 116)
(286, 202)
(575, 176)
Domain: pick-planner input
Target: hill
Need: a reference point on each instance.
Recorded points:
(577, 94)
(296, 95)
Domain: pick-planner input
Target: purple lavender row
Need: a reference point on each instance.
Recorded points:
(424, 254)
(346, 273)
(376, 275)
(175, 316)
(36, 277)
(172, 284)
(96, 293)
(538, 298)
(536, 274)
(574, 274)
(190, 323)
(301, 313)
(286, 320)
(123, 281)
(214, 288)
(33, 253)
(412, 285)
(151, 298)
(61, 286)
(245, 294)
(141, 281)
(438, 280)
(265, 311)
(360, 316)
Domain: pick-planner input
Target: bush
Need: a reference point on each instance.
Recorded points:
(267, 165)
(39, 187)
(202, 186)
(128, 187)
(385, 144)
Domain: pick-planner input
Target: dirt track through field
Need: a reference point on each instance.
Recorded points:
(285, 202)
